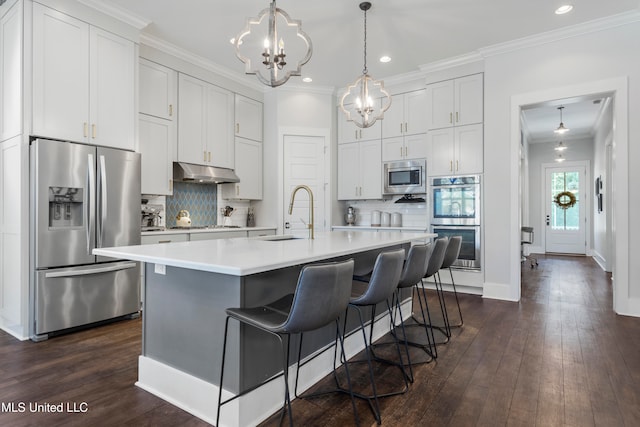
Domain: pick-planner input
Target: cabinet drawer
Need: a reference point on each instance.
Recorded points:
(169, 238)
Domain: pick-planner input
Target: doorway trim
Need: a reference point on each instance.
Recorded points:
(618, 88)
(303, 131)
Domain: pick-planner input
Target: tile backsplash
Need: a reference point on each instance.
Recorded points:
(413, 214)
(200, 200)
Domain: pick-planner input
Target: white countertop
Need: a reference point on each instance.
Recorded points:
(203, 230)
(249, 255)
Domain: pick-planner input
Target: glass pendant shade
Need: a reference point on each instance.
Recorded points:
(366, 99)
(561, 129)
(560, 146)
(269, 45)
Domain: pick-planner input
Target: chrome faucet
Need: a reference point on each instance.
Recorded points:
(293, 197)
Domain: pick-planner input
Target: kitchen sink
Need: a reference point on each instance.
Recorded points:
(279, 237)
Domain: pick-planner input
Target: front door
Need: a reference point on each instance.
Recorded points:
(304, 164)
(566, 207)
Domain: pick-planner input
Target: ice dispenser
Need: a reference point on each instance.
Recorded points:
(65, 207)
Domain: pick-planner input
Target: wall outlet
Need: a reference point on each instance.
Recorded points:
(160, 269)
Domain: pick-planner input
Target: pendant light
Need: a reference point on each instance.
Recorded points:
(366, 99)
(560, 146)
(561, 129)
(266, 46)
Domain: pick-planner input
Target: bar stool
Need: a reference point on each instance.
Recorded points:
(321, 296)
(450, 256)
(382, 285)
(433, 266)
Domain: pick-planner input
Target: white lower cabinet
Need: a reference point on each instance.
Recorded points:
(456, 151)
(157, 146)
(360, 170)
(164, 238)
(248, 159)
(217, 235)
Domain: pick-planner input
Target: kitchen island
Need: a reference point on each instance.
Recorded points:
(190, 284)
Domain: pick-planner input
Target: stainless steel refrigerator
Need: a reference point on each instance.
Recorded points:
(82, 197)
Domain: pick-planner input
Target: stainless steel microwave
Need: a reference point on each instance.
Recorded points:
(405, 177)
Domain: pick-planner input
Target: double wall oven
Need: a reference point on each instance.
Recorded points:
(456, 210)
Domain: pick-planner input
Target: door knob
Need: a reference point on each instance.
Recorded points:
(287, 225)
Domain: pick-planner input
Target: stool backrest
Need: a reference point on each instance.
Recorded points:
(384, 278)
(415, 266)
(437, 256)
(452, 252)
(321, 296)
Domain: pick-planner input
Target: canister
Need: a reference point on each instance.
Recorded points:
(375, 218)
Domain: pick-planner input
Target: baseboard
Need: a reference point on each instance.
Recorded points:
(16, 331)
(499, 291)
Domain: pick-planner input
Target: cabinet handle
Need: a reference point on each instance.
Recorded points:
(164, 241)
(237, 127)
(406, 127)
(355, 134)
(400, 127)
(85, 129)
(450, 117)
(401, 154)
(170, 110)
(457, 117)
(93, 131)
(237, 190)
(171, 185)
(204, 156)
(457, 166)
(360, 133)
(210, 155)
(451, 165)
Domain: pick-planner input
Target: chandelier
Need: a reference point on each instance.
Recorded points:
(263, 40)
(561, 129)
(366, 100)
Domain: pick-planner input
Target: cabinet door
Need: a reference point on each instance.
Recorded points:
(249, 170)
(393, 149)
(469, 149)
(440, 105)
(415, 112)
(347, 131)
(371, 170)
(60, 75)
(348, 171)
(112, 90)
(441, 143)
(469, 100)
(248, 113)
(11, 73)
(219, 129)
(416, 146)
(157, 90)
(156, 145)
(191, 120)
(393, 122)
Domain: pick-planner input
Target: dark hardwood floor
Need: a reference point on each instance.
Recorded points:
(560, 357)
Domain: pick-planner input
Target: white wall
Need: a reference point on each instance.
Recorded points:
(601, 221)
(539, 153)
(570, 62)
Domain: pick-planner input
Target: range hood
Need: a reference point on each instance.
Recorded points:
(188, 172)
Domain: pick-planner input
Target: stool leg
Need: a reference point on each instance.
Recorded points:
(409, 376)
(443, 304)
(285, 370)
(224, 351)
(426, 322)
(340, 336)
(453, 283)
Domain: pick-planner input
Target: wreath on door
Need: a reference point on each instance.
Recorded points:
(565, 199)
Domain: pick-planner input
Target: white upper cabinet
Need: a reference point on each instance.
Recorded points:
(405, 147)
(11, 73)
(158, 90)
(205, 123)
(248, 115)
(360, 170)
(457, 102)
(456, 151)
(157, 145)
(249, 170)
(83, 81)
(406, 115)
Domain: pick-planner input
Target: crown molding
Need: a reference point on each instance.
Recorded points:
(117, 12)
(562, 33)
(448, 63)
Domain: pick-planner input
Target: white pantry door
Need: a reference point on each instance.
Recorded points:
(304, 164)
(565, 230)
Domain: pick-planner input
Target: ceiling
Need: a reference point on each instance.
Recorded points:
(413, 33)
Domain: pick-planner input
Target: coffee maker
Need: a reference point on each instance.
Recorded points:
(151, 216)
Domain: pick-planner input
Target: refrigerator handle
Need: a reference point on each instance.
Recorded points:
(103, 200)
(71, 273)
(90, 213)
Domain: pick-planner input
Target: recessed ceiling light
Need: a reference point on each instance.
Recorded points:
(307, 79)
(564, 9)
(385, 59)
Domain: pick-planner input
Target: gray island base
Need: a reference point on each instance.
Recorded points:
(184, 316)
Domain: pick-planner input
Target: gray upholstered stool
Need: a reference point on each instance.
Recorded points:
(321, 296)
(381, 287)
